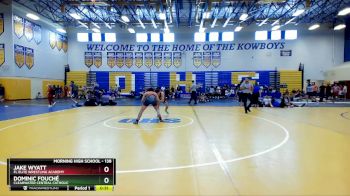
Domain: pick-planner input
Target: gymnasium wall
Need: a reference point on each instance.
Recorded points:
(137, 81)
(48, 64)
(317, 50)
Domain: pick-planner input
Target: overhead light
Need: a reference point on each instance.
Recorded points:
(75, 16)
(276, 35)
(125, 18)
(168, 37)
(96, 25)
(339, 27)
(238, 29)
(96, 30)
(263, 22)
(166, 30)
(243, 17)
(162, 16)
(202, 30)
(276, 22)
(96, 37)
(289, 21)
(155, 37)
(110, 37)
(141, 23)
(274, 28)
(227, 36)
(131, 30)
(61, 30)
(206, 15)
(213, 24)
(226, 22)
(213, 36)
(298, 12)
(83, 24)
(153, 23)
(108, 26)
(313, 27)
(33, 16)
(344, 11)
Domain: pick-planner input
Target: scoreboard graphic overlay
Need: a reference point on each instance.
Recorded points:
(61, 174)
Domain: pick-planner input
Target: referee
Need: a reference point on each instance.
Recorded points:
(193, 90)
(247, 90)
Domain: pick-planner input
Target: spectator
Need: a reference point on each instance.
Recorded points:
(345, 91)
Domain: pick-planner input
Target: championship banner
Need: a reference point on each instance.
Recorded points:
(52, 39)
(148, 59)
(89, 58)
(158, 60)
(168, 59)
(111, 59)
(138, 59)
(216, 59)
(19, 55)
(37, 33)
(18, 24)
(1, 23)
(98, 59)
(28, 30)
(29, 60)
(2, 54)
(65, 44)
(129, 58)
(197, 59)
(206, 59)
(59, 41)
(119, 58)
(177, 59)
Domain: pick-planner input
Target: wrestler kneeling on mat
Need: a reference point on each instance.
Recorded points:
(149, 98)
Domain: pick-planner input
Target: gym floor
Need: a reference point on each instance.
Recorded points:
(213, 150)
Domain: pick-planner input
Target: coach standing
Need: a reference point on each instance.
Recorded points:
(247, 90)
(193, 90)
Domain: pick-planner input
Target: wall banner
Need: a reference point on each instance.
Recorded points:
(120, 59)
(59, 42)
(168, 60)
(138, 59)
(19, 55)
(65, 44)
(206, 59)
(129, 59)
(216, 58)
(1, 23)
(18, 24)
(37, 33)
(52, 39)
(111, 59)
(197, 59)
(28, 30)
(29, 57)
(158, 60)
(98, 59)
(89, 58)
(148, 59)
(2, 54)
(177, 59)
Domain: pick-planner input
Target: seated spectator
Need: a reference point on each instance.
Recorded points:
(267, 101)
(38, 96)
(203, 98)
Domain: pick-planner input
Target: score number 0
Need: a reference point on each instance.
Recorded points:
(106, 170)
